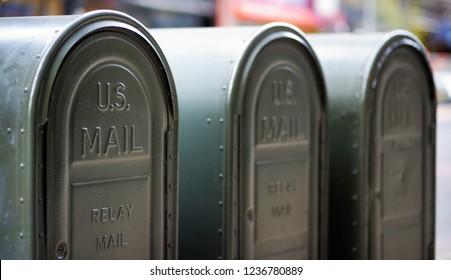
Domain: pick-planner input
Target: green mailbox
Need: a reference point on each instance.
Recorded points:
(88, 125)
(252, 107)
(381, 104)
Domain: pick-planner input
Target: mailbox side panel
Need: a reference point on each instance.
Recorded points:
(343, 59)
(22, 44)
(202, 61)
(403, 210)
(378, 146)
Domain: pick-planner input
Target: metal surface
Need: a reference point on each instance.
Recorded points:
(252, 120)
(382, 145)
(88, 120)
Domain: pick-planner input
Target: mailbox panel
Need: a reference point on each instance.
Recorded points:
(281, 129)
(402, 161)
(252, 150)
(106, 119)
(382, 142)
(92, 103)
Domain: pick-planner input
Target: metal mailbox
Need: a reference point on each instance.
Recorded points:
(382, 145)
(252, 122)
(88, 121)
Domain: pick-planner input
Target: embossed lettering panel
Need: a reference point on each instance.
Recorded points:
(402, 107)
(111, 135)
(402, 183)
(283, 114)
(282, 166)
(282, 208)
(402, 168)
(107, 218)
(110, 116)
(106, 144)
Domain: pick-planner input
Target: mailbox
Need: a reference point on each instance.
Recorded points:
(252, 153)
(88, 119)
(382, 145)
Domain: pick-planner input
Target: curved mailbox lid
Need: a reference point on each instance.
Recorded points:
(382, 145)
(252, 103)
(103, 107)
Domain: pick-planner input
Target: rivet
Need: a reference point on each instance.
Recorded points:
(21, 200)
(21, 234)
(220, 231)
(38, 56)
(354, 223)
(25, 89)
(355, 171)
(221, 175)
(354, 249)
(21, 165)
(208, 120)
(373, 84)
(220, 203)
(22, 131)
(41, 235)
(221, 120)
(169, 245)
(354, 197)
(356, 95)
(8, 130)
(224, 87)
(221, 148)
(355, 145)
(219, 258)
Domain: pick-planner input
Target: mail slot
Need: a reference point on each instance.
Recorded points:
(88, 140)
(382, 145)
(252, 123)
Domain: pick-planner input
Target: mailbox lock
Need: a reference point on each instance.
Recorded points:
(249, 216)
(61, 251)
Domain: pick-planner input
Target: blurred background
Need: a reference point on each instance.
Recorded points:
(430, 20)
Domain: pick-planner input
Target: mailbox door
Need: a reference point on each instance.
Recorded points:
(106, 150)
(282, 114)
(402, 180)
